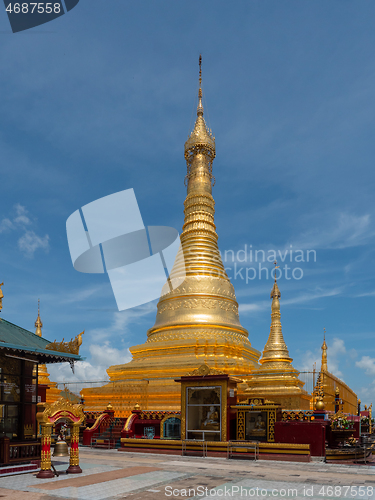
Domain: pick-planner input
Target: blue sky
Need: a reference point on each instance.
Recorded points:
(102, 99)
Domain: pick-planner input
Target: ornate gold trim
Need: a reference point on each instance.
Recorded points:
(71, 347)
(205, 370)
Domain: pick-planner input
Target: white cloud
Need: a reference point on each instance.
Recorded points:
(89, 373)
(121, 320)
(335, 353)
(302, 298)
(344, 231)
(368, 364)
(30, 242)
(6, 225)
(21, 218)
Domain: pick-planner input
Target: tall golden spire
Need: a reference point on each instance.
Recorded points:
(197, 319)
(38, 322)
(206, 298)
(275, 349)
(324, 367)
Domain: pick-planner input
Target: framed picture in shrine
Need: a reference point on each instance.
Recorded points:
(256, 425)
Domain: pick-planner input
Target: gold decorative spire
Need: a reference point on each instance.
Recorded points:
(205, 302)
(275, 350)
(43, 375)
(200, 148)
(324, 367)
(38, 322)
(277, 379)
(1, 296)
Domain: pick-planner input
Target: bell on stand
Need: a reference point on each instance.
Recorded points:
(61, 449)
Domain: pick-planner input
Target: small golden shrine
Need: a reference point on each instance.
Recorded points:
(256, 419)
(206, 398)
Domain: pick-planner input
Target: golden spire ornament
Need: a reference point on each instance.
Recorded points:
(38, 322)
(1, 296)
(324, 366)
(43, 375)
(275, 349)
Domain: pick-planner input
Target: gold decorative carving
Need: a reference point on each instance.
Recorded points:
(241, 425)
(204, 370)
(194, 303)
(71, 347)
(49, 413)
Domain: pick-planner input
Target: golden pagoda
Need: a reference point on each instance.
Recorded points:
(196, 322)
(276, 379)
(52, 392)
(332, 385)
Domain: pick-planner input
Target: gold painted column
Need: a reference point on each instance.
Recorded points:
(74, 467)
(45, 466)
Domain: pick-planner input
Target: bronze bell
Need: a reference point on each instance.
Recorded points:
(61, 449)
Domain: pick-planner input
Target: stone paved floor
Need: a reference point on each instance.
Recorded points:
(111, 475)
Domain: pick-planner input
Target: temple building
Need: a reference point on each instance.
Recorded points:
(276, 379)
(21, 351)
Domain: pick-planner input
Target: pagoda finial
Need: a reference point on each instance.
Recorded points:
(324, 367)
(38, 322)
(1, 296)
(200, 145)
(200, 95)
(275, 292)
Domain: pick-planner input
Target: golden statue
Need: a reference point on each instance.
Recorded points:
(211, 421)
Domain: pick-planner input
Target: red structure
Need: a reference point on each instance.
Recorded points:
(312, 433)
(144, 424)
(101, 424)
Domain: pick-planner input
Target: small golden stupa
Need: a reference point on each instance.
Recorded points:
(276, 379)
(197, 322)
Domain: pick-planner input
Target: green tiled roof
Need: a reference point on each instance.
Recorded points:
(15, 338)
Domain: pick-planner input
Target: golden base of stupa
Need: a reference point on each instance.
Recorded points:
(149, 379)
